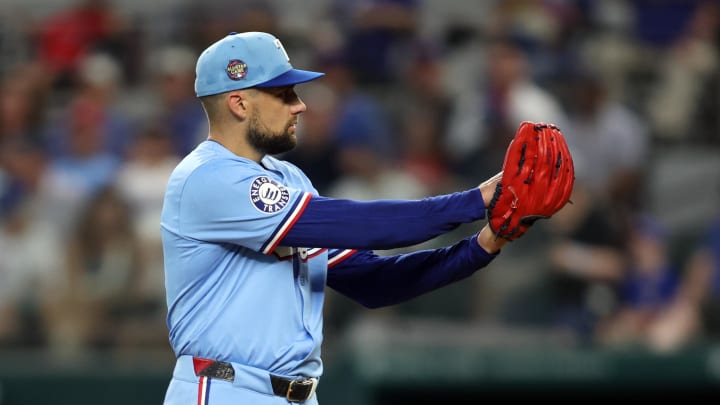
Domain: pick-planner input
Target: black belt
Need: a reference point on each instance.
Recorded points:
(293, 390)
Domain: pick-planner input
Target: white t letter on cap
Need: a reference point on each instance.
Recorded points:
(280, 47)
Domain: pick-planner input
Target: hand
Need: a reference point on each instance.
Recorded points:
(487, 188)
(490, 242)
(537, 181)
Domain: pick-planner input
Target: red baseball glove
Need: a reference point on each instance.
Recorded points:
(537, 180)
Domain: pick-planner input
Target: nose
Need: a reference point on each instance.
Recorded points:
(298, 107)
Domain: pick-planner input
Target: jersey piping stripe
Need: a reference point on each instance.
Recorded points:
(203, 389)
(340, 257)
(287, 224)
(314, 252)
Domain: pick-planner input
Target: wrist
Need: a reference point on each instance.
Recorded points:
(490, 242)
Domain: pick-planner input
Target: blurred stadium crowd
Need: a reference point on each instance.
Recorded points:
(421, 97)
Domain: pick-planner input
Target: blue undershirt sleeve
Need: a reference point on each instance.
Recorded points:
(382, 224)
(375, 281)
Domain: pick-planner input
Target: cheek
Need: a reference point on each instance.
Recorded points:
(268, 120)
(279, 124)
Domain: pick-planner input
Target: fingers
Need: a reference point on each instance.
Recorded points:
(489, 241)
(487, 188)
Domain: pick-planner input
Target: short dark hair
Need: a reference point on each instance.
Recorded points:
(212, 103)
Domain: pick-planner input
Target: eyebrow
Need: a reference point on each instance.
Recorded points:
(279, 89)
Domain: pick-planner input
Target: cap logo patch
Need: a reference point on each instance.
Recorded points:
(236, 69)
(280, 46)
(268, 196)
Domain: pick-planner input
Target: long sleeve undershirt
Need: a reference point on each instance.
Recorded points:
(376, 281)
(382, 224)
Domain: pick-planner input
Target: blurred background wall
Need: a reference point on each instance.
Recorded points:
(620, 292)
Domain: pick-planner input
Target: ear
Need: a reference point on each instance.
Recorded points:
(238, 104)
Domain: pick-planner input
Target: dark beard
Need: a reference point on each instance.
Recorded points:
(269, 143)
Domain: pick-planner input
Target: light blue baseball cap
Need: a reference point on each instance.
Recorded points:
(248, 59)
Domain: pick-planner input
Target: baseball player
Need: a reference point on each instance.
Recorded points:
(249, 244)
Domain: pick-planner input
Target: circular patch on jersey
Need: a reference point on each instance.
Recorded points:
(236, 69)
(268, 196)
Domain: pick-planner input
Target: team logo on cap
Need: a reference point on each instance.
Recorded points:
(268, 196)
(236, 69)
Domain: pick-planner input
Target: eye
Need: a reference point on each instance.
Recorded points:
(289, 94)
(286, 94)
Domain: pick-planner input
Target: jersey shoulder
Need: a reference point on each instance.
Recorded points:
(214, 161)
(292, 174)
(208, 172)
(284, 166)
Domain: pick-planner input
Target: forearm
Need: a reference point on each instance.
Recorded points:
(384, 224)
(376, 281)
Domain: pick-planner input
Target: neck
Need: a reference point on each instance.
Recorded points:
(235, 143)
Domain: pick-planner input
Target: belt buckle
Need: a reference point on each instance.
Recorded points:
(312, 382)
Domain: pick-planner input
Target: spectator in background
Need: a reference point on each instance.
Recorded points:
(16, 42)
(647, 289)
(359, 116)
(100, 280)
(366, 147)
(661, 23)
(694, 316)
(422, 156)
(422, 105)
(29, 247)
(483, 121)
(316, 153)
(378, 34)
(689, 63)
(363, 135)
(141, 181)
(94, 101)
(367, 171)
(23, 273)
(82, 169)
(586, 260)
(67, 37)
(23, 177)
(365, 175)
(22, 105)
(211, 19)
(610, 143)
(180, 113)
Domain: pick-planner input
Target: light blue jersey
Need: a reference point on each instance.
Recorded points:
(232, 293)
